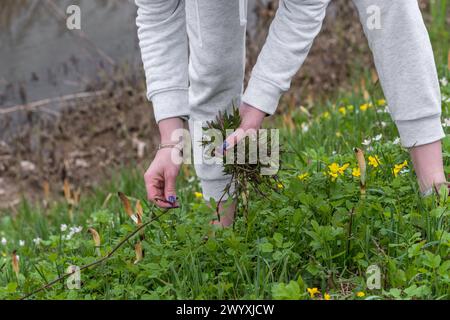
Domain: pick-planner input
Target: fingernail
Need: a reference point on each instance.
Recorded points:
(172, 199)
(225, 146)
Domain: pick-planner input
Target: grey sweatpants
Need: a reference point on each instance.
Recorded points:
(193, 53)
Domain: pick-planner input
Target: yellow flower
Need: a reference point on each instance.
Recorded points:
(374, 161)
(280, 186)
(381, 102)
(198, 195)
(350, 107)
(326, 296)
(360, 294)
(335, 170)
(334, 167)
(312, 291)
(333, 176)
(303, 176)
(363, 107)
(399, 167)
(356, 172)
(343, 110)
(326, 115)
(343, 168)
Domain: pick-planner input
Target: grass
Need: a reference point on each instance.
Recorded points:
(439, 29)
(316, 231)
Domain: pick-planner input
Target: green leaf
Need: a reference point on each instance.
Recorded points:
(278, 237)
(11, 287)
(443, 269)
(431, 260)
(266, 247)
(290, 291)
(396, 293)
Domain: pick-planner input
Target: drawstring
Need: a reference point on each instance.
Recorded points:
(243, 12)
(199, 31)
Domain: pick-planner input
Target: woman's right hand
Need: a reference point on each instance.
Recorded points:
(160, 177)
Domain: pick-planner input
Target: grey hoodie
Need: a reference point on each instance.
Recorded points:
(194, 56)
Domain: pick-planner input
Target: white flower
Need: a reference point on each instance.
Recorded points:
(396, 141)
(305, 127)
(367, 142)
(21, 243)
(68, 236)
(37, 241)
(446, 122)
(76, 229)
(405, 170)
(4, 241)
(444, 82)
(378, 137)
(383, 124)
(63, 227)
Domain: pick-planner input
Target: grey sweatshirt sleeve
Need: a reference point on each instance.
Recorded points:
(164, 48)
(405, 63)
(402, 52)
(290, 38)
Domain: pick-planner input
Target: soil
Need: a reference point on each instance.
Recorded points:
(83, 145)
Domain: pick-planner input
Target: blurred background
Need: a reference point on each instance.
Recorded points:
(73, 106)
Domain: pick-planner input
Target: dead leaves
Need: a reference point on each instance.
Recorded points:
(72, 197)
(137, 217)
(96, 238)
(139, 252)
(127, 206)
(15, 263)
(362, 168)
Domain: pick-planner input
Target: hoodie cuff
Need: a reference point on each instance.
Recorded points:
(414, 133)
(262, 95)
(170, 104)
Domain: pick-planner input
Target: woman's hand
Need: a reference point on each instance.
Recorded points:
(160, 177)
(251, 121)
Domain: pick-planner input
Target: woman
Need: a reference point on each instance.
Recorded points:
(194, 56)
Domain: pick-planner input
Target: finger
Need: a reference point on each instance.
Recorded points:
(232, 140)
(155, 190)
(170, 188)
(163, 203)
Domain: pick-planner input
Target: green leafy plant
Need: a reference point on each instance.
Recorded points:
(246, 174)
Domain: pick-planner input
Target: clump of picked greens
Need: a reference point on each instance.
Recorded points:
(245, 175)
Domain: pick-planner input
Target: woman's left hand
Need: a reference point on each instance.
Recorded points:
(251, 121)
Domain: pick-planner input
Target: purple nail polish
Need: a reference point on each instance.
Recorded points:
(225, 146)
(172, 199)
